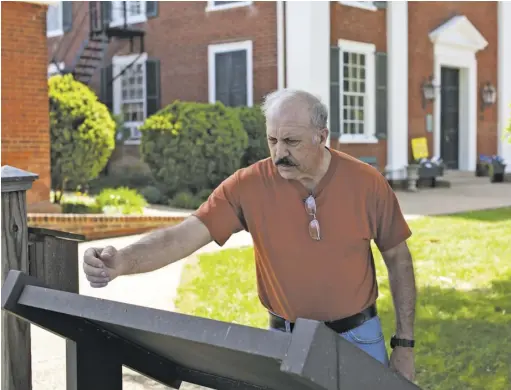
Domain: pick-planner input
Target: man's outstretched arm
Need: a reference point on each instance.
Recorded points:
(165, 246)
(156, 250)
(402, 286)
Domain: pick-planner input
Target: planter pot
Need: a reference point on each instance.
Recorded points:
(412, 172)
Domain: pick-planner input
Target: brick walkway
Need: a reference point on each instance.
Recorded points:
(158, 289)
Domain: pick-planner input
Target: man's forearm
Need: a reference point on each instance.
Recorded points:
(402, 286)
(164, 246)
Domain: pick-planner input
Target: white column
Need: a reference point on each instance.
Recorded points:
(397, 89)
(504, 79)
(308, 47)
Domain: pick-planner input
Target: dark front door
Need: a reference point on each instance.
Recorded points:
(449, 117)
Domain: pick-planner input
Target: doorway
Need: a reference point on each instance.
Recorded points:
(450, 117)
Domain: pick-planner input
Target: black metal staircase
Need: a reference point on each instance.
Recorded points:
(93, 48)
(89, 58)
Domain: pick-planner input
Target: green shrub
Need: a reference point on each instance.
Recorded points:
(152, 194)
(185, 200)
(80, 207)
(82, 132)
(254, 124)
(192, 146)
(120, 200)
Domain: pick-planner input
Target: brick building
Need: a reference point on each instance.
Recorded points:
(372, 63)
(25, 119)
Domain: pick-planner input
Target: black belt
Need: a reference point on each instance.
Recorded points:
(339, 326)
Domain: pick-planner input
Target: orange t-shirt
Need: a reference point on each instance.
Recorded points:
(296, 275)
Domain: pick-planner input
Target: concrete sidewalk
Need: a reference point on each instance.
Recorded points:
(158, 289)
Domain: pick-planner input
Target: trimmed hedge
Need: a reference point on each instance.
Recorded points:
(82, 132)
(192, 146)
(254, 124)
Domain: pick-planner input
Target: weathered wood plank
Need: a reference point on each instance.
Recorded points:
(16, 355)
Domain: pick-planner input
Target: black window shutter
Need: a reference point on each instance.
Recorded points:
(107, 91)
(67, 15)
(381, 95)
(106, 12)
(151, 9)
(153, 94)
(223, 70)
(335, 92)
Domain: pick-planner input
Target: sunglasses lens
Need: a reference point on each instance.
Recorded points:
(314, 229)
(310, 205)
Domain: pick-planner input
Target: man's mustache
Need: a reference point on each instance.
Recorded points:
(285, 162)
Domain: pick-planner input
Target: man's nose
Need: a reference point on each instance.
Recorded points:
(280, 150)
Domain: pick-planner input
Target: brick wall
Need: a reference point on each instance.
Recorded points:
(425, 17)
(99, 226)
(360, 25)
(179, 37)
(25, 118)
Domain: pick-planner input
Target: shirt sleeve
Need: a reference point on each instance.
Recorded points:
(221, 212)
(391, 227)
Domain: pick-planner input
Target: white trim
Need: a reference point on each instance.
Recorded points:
(212, 7)
(118, 17)
(504, 82)
(280, 45)
(455, 45)
(60, 12)
(367, 5)
(119, 63)
(307, 48)
(369, 50)
(224, 48)
(397, 90)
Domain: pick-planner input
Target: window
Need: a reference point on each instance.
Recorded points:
(134, 93)
(135, 12)
(54, 15)
(357, 100)
(230, 73)
(130, 92)
(219, 5)
(369, 5)
(59, 18)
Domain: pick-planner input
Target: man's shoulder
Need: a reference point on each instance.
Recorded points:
(356, 168)
(256, 171)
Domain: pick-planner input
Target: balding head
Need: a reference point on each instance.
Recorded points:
(297, 133)
(296, 105)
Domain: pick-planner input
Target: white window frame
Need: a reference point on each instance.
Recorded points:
(212, 7)
(60, 12)
(367, 5)
(214, 49)
(118, 15)
(369, 50)
(118, 64)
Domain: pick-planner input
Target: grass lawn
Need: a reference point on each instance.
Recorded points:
(463, 272)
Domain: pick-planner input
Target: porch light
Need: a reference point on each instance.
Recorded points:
(428, 91)
(488, 95)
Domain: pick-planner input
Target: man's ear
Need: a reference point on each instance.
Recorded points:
(323, 135)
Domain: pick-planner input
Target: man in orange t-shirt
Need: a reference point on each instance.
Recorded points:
(312, 213)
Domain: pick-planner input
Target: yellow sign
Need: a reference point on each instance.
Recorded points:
(420, 148)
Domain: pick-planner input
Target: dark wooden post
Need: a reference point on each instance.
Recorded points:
(16, 356)
(53, 258)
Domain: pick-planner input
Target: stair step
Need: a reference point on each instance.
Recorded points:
(95, 48)
(90, 58)
(86, 66)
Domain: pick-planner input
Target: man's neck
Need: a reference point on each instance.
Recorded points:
(311, 182)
